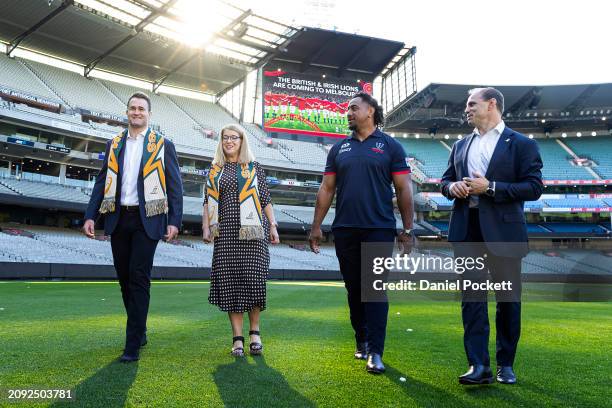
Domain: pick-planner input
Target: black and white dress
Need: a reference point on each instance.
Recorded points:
(239, 267)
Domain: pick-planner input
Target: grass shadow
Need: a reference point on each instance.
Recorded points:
(107, 388)
(242, 384)
(423, 394)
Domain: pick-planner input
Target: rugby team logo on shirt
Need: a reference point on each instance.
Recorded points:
(378, 148)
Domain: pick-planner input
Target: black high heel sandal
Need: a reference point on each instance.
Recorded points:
(237, 351)
(256, 349)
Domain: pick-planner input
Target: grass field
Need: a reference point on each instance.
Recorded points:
(63, 335)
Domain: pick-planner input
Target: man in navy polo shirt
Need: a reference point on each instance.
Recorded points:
(361, 169)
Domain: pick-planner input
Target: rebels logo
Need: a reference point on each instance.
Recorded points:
(378, 148)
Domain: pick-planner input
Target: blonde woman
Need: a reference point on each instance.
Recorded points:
(239, 218)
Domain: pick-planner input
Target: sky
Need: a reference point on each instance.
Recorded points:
(494, 42)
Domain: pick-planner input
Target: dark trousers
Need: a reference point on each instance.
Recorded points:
(133, 253)
(369, 319)
(474, 308)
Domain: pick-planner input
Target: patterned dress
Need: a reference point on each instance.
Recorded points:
(239, 267)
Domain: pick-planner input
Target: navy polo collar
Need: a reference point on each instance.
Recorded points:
(377, 133)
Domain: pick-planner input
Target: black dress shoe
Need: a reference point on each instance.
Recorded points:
(505, 375)
(375, 364)
(361, 351)
(129, 358)
(477, 374)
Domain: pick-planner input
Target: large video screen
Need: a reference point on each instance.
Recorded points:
(308, 104)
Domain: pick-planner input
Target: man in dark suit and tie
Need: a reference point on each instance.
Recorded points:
(140, 192)
(490, 174)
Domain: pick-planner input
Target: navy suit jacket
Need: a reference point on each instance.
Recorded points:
(155, 227)
(516, 169)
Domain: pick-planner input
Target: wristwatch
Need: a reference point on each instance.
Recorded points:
(407, 231)
(491, 189)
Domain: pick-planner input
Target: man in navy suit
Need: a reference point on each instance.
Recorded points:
(133, 226)
(490, 174)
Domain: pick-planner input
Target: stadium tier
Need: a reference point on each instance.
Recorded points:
(575, 202)
(557, 163)
(192, 123)
(36, 244)
(432, 155)
(16, 76)
(596, 149)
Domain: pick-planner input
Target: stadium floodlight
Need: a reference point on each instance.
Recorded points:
(603, 118)
(405, 135)
(579, 134)
(593, 133)
(543, 120)
(531, 135)
(564, 135)
(446, 137)
(417, 136)
(459, 137)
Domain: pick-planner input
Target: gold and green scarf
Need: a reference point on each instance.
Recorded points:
(153, 174)
(251, 214)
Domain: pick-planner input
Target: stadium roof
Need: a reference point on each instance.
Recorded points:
(440, 106)
(205, 46)
(192, 44)
(339, 52)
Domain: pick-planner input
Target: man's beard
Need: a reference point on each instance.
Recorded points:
(352, 126)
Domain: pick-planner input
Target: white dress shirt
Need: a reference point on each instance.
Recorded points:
(480, 153)
(132, 157)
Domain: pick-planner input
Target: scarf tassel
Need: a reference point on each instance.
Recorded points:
(214, 231)
(156, 207)
(251, 232)
(108, 205)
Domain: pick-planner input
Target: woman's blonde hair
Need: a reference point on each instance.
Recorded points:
(245, 156)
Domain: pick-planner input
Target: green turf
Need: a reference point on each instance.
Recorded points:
(68, 336)
(323, 127)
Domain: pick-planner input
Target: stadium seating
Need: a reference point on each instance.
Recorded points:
(431, 154)
(557, 165)
(441, 201)
(597, 149)
(534, 204)
(185, 120)
(174, 122)
(574, 203)
(78, 91)
(16, 76)
(574, 227)
(441, 225)
(262, 151)
(67, 118)
(536, 228)
(48, 191)
(304, 153)
(56, 245)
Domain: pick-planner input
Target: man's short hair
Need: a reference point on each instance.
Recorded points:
(488, 94)
(140, 95)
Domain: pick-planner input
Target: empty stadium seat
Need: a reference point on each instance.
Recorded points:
(431, 154)
(16, 76)
(598, 149)
(556, 163)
